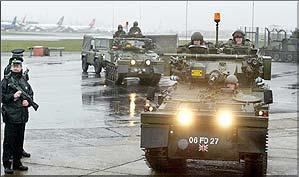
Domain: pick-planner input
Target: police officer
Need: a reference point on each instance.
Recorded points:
(18, 54)
(135, 31)
(15, 115)
(120, 32)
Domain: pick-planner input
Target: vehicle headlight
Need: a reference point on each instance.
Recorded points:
(150, 109)
(185, 117)
(261, 113)
(133, 62)
(148, 62)
(225, 119)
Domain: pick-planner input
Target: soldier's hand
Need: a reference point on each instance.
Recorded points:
(17, 94)
(25, 103)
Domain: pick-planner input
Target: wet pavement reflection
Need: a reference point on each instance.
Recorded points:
(123, 103)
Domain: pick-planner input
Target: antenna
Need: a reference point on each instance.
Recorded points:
(113, 16)
(252, 20)
(139, 11)
(187, 20)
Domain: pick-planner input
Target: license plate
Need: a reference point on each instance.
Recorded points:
(202, 143)
(196, 73)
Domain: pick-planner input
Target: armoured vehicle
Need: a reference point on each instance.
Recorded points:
(90, 54)
(122, 58)
(204, 118)
(279, 47)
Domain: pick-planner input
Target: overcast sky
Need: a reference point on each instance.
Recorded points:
(154, 15)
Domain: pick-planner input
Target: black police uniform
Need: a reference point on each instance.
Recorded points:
(15, 117)
(17, 54)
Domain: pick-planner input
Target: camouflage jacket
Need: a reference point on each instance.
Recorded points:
(231, 48)
(186, 48)
(135, 30)
(119, 33)
(231, 43)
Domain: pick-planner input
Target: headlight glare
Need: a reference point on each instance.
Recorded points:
(185, 117)
(133, 62)
(148, 62)
(225, 119)
(261, 113)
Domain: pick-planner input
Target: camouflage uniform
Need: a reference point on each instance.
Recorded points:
(231, 47)
(232, 42)
(197, 36)
(120, 32)
(135, 30)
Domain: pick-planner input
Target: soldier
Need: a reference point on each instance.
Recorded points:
(231, 82)
(120, 32)
(196, 40)
(135, 30)
(239, 39)
(15, 115)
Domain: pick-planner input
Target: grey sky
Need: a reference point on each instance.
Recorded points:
(153, 15)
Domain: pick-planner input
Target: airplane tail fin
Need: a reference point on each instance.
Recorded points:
(23, 21)
(60, 21)
(14, 21)
(92, 23)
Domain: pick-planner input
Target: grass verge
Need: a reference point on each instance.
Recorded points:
(70, 45)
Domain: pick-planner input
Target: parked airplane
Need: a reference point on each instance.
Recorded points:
(23, 22)
(9, 25)
(45, 27)
(72, 28)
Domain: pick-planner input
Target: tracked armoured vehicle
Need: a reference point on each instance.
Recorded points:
(126, 57)
(218, 110)
(91, 54)
(133, 57)
(281, 50)
(203, 119)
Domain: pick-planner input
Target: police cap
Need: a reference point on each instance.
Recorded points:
(17, 54)
(17, 61)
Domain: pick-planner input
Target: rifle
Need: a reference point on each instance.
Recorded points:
(25, 74)
(24, 95)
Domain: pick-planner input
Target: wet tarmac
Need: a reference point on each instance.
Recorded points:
(86, 127)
